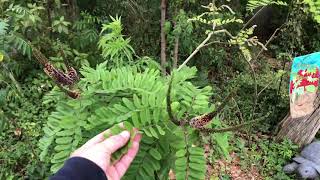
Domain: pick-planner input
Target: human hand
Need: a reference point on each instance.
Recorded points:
(99, 150)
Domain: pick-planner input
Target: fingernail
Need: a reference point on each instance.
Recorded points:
(125, 134)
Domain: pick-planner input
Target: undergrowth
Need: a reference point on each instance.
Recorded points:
(21, 129)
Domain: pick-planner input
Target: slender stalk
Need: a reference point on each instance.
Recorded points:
(201, 45)
(252, 18)
(163, 42)
(232, 128)
(176, 52)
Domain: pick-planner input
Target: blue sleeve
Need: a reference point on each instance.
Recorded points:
(80, 169)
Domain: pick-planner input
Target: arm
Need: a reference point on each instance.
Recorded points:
(92, 160)
(81, 169)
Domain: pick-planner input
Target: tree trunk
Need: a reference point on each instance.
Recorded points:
(163, 36)
(71, 9)
(176, 52)
(49, 3)
(301, 130)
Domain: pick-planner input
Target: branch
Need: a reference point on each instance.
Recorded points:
(239, 111)
(216, 42)
(255, 88)
(267, 43)
(196, 50)
(232, 128)
(264, 88)
(228, 7)
(220, 108)
(252, 18)
(226, 32)
(254, 74)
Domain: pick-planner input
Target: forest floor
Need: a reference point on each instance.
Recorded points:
(232, 169)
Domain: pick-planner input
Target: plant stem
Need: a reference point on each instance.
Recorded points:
(201, 45)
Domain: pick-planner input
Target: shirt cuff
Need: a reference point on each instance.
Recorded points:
(81, 169)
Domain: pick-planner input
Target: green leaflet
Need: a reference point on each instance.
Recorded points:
(147, 161)
(117, 129)
(190, 162)
(137, 99)
(253, 4)
(155, 153)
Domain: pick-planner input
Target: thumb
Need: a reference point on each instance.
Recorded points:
(115, 142)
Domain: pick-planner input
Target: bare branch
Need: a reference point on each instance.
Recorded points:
(226, 32)
(268, 42)
(228, 7)
(232, 128)
(252, 18)
(196, 50)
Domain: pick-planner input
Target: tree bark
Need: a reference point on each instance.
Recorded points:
(176, 53)
(71, 9)
(49, 3)
(163, 36)
(301, 130)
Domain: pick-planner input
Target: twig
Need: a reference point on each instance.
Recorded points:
(215, 42)
(163, 40)
(226, 32)
(252, 18)
(255, 88)
(225, 102)
(235, 102)
(253, 72)
(227, 7)
(232, 128)
(264, 88)
(267, 43)
(196, 50)
(12, 78)
(176, 50)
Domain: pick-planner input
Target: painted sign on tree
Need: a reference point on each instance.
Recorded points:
(304, 81)
(302, 123)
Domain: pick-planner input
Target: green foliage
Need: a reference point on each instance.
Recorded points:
(269, 156)
(217, 16)
(3, 27)
(129, 89)
(114, 46)
(190, 162)
(21, 130)
(21, 44)
(86, 33)
(138, 98)
(254, 4)
(60, 25)
(25, 17)
(314, 8)
(244, 42)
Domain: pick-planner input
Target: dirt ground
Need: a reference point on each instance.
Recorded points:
(232, 169)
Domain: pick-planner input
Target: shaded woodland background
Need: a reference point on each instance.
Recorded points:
(252, 72)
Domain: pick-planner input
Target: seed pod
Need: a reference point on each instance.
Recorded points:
(72, 74)
(73, 94)
(200, 121)
(58, 76)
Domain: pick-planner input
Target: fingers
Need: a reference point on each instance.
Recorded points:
(98, 138)
(115, 142)
(95, 140)
(124, 163)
